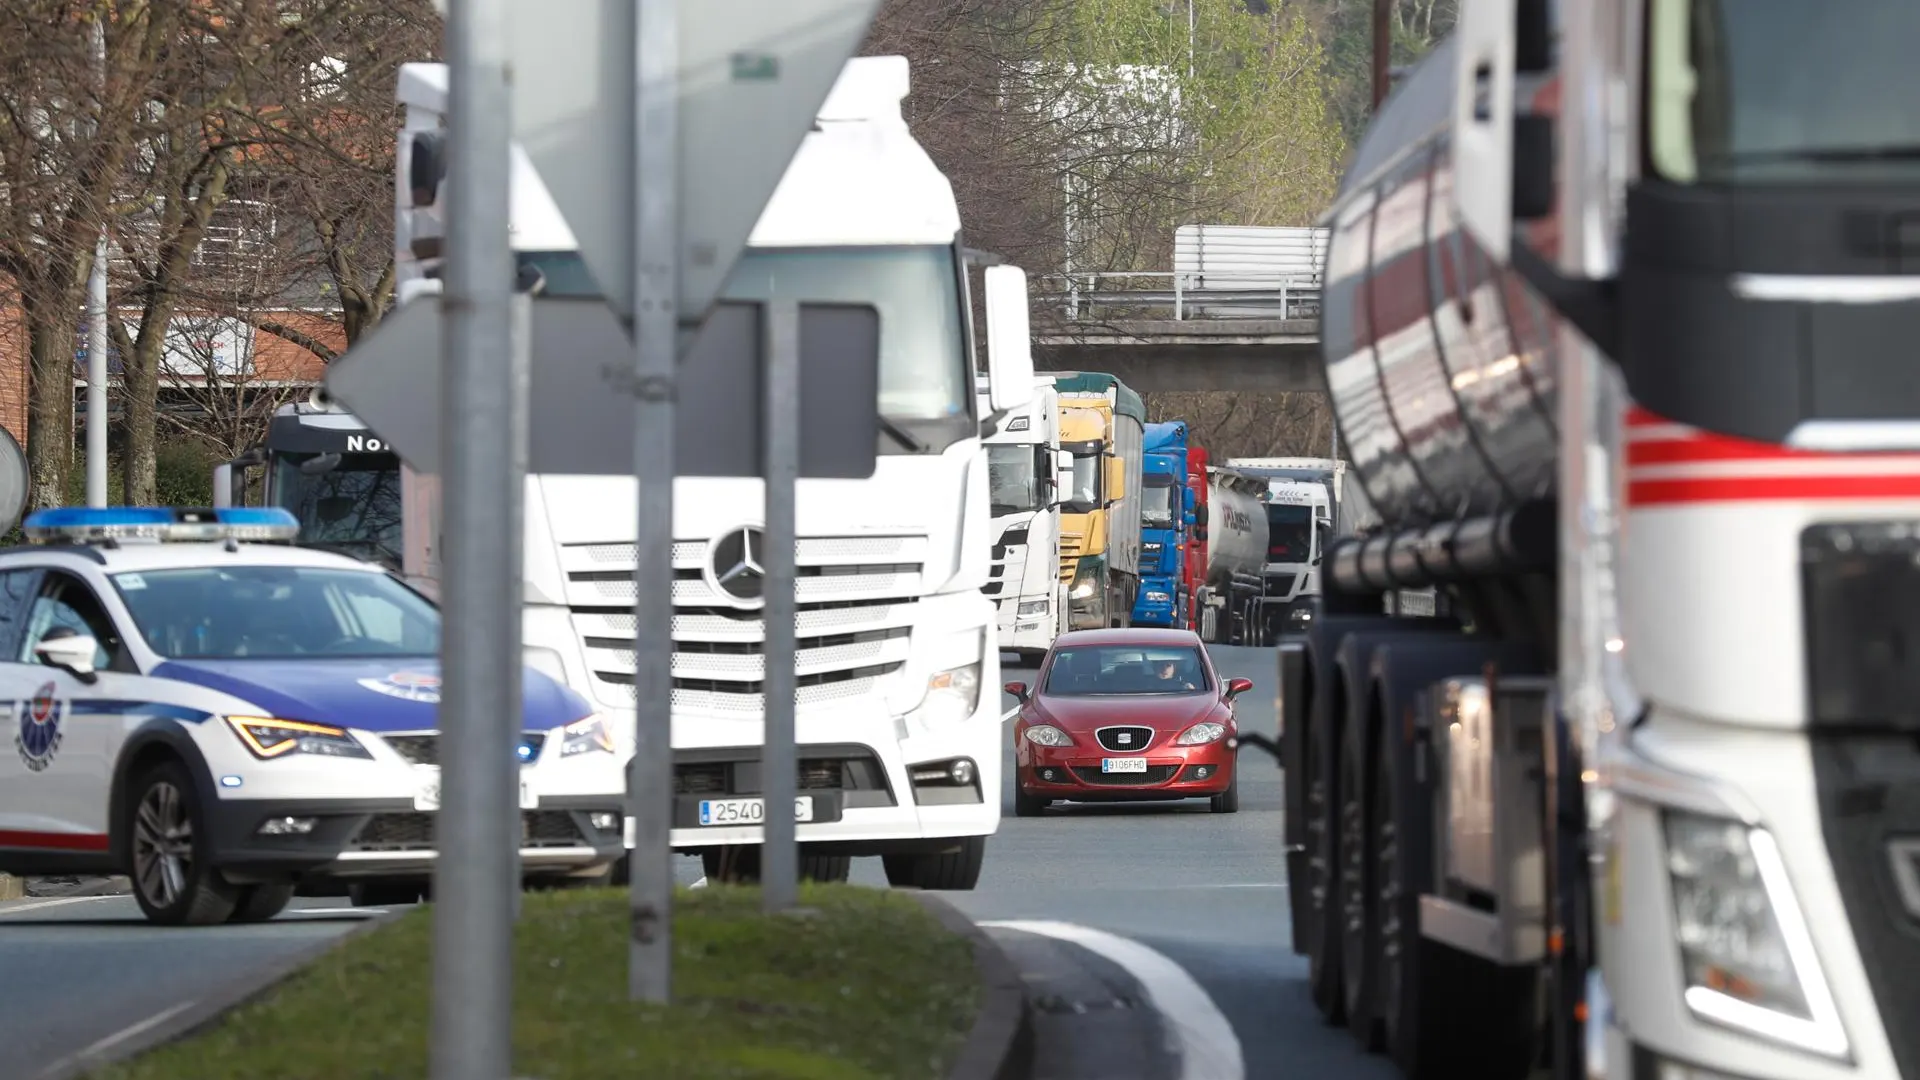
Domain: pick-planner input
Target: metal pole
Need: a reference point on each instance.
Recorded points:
(1382, 50)
(97, 323)
(656, 363)
(779, 770)
(475, 876)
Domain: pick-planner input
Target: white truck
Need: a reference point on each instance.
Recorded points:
(897, 721)
(1234, 533)
(1303, 510)
(1024, 466)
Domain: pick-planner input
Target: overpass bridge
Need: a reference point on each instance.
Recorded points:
(1157, 332)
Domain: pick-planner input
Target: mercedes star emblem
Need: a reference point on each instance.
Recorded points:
(734, 568)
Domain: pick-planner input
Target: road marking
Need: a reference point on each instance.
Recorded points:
(36, 905)
(366, 912)
(701, 884)
(1208, 1048)
(1010, 714)
(131, 1030)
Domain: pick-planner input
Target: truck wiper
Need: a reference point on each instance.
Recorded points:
(902, 436)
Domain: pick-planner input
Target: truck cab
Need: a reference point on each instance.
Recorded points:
(1025, 476)
(1166, 516)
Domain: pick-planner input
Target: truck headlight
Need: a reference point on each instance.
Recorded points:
(1033, 607)
(267, 737)
(1083, 589)
(952, 695)
(1745, 950)
(586, 736)
(1154, 596)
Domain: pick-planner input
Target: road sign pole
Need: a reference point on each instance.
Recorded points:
(779, 771)
(656, 245)
(474, 876)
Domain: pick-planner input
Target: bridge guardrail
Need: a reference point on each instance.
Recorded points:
(1087, 296)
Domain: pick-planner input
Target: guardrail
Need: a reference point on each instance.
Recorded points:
(1086, 296)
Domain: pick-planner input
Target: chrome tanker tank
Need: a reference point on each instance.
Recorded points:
(1440, 363)
(1236, 529)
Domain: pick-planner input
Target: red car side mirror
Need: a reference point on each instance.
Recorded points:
(1238, 686)
(1019, 690)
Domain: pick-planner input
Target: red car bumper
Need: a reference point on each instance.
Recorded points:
(1076, 773)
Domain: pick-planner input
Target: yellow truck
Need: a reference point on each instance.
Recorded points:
(1103, 427)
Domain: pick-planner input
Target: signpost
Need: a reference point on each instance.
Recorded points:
(661, 128)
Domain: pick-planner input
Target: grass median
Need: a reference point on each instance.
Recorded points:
(864, 984)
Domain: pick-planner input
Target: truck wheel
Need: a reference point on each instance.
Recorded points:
(953, 871)
(1359, 882)
(740, 864)
(173, 881)
(1323, 850)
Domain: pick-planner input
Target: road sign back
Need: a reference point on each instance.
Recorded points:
(752, 74)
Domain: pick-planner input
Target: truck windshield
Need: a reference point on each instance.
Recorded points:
(353, 507)
(1084, 495)
(926, 374)
(1783, 91)
(1014, 479)
(1160, 503)
(1289, 533)
(278, 613)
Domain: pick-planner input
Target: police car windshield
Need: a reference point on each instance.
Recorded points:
(278, 613)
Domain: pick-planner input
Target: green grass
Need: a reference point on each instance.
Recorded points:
(868, 985)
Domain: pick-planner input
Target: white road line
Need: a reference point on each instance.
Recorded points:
(36, 905)
(368, 912)
(1008, 716)
(1209, 1050)
(131, 1030)
(701, 884)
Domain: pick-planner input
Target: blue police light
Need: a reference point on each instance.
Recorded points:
(82, 524)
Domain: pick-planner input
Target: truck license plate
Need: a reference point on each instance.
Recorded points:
(427, 799)
(749, 811)
(1123, 764)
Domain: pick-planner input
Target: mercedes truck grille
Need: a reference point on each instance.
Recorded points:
(855, 595)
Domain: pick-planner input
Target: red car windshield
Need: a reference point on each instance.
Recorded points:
(1086, 670)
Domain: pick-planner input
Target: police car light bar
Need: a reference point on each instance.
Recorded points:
(81, 524)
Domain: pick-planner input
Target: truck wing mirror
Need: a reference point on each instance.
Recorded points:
(1009, 340)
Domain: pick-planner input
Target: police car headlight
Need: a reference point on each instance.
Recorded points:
(270, 738)
(586, 736)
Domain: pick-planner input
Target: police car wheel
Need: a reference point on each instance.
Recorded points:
(172, 880)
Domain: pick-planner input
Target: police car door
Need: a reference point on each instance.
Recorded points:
(65, 727)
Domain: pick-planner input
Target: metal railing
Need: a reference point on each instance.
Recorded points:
(1087, 296)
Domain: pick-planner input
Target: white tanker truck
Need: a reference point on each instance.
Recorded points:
(1618, 321)
(1236, 540)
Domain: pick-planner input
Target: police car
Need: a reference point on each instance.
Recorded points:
(225, 722)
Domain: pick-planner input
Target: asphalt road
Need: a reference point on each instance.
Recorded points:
(1206, 891)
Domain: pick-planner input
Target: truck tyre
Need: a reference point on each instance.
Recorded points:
(174, 881)
(1323, 852)
(951, 871)
(740, 864)
(1359, 854)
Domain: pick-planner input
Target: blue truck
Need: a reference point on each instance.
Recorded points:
(1166, 518)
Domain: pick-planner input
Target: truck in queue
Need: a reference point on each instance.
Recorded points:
(1302, 510)
(1194, 568)
(899, 737)
(1618, 328)
(342, 483)
(1025, 470)
(1234, 530)
(1166, 520)
(1102, 429)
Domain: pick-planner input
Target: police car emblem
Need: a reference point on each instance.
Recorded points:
(38, 735)
(408, 686)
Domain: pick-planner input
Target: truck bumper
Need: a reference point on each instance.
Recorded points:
(1029, 633)
(1158, 603)
(1759, 785)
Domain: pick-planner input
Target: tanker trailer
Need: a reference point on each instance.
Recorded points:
(1629, 385)
(1236, 538)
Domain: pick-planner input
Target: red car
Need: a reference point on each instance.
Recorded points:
(1124, 715)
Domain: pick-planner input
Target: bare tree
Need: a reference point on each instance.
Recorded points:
(1289, 424)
